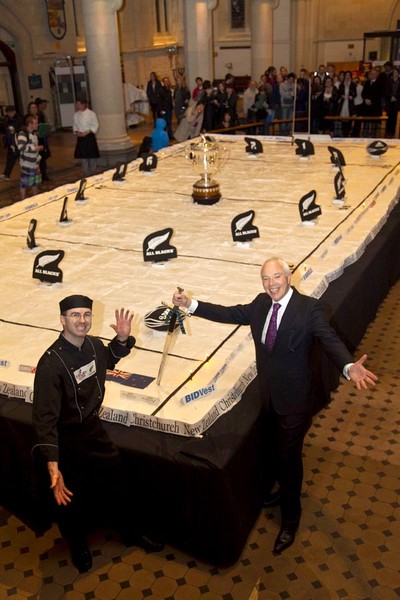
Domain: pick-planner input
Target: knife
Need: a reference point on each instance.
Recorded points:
(168, 339)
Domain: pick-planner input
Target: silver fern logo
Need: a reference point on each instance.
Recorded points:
(308, 208)
(242, 227)
(243, 221)
(156, 246)
(46, 266)
(45, 259)
(30, 239)
(154, 242)
(337, 157)
(339, 186)
(308, 201)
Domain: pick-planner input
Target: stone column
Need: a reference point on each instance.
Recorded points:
(262, 35)
(199, 61)
(106, 90)
(306, 32)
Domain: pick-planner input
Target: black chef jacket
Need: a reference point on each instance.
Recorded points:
(69, 387)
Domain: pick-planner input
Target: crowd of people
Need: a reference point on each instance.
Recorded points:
(283, 96)
(323, 95)
(321, 102)
(26, 141)
(209, 106)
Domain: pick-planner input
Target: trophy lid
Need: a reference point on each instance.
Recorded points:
(206, 144)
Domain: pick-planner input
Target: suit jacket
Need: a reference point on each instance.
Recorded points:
(373, 91)
(286, 375)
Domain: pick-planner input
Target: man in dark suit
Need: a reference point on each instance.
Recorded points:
(374, 96)
(166, 104)
(284, 324)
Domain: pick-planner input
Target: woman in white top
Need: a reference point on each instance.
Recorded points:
(85, 126)
(347, 94)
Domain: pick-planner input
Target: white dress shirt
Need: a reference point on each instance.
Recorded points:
(283, 302)
(85, 120)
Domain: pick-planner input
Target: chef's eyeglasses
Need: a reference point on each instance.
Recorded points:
(76, 316)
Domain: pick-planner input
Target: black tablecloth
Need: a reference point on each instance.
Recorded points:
(205, 494)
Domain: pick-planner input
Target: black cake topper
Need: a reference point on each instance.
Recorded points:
(254, 146)
(308, 208)
(46, 266)
(149, 162)
(305, 148)
(242, 227)
(120, 171)
(156, 246)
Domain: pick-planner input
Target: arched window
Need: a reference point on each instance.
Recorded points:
(238, 14)
(162, 16)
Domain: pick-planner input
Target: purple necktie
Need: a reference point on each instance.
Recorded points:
(272, 327)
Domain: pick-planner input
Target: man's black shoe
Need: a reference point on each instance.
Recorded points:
(149, 544)
(273, 499)
(285, 539)
(143, 541)
(81, 557)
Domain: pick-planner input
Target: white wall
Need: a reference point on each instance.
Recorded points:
(340, 51)
(239, 57)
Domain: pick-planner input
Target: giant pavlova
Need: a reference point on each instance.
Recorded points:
(209, 367)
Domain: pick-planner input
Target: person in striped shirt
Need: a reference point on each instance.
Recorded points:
(29, 157)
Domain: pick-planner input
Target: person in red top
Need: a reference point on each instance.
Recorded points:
(198, 89)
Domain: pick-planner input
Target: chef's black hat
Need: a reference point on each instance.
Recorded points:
(75, 301)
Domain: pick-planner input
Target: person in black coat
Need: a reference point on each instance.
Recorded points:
(373, 95)
(392, 103)
(181, 98)
(84, 466)
(231, 102)
(166, 105)
(284, 325)
(43, 137)
(153, 90)
(210, 110)
(329, 105)
(12, 124)
(316, 104)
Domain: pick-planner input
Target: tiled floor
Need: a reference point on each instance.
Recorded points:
(348, 544)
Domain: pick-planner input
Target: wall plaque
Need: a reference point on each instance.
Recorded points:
(56, 18)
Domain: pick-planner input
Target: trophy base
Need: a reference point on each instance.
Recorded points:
(206, 194)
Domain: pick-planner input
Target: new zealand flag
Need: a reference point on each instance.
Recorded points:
(129, 379)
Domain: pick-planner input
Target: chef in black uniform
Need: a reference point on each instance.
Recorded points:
(83, 463)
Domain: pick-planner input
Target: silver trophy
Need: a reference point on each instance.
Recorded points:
(207, 157)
